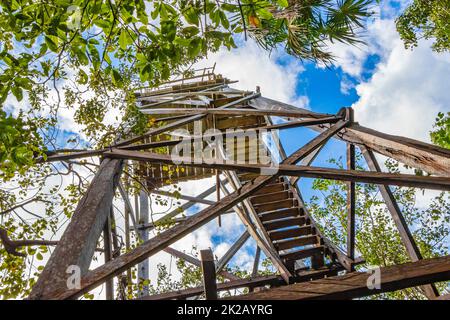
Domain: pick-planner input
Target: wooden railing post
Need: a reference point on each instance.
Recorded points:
(209, 274)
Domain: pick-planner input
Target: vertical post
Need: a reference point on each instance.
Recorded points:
(256, 262)
(109, 285)
(255, 265)
(209, 274)
(143, 233)
(351, 197)
(218, 194)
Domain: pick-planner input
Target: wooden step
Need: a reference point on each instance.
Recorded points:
(296, 242)
(283, 223)
(270, 188)
(271, 206)
(270, 197)
(311, 274)
(290, 233)
(280, 214)
(302, 253)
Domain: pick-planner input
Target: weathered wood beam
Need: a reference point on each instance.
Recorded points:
(256, 261)
(404, 180)
(194, 261)
(209, 274)
(182, 197)
(228, 112)
(232, 251)
(351, 205)
(109, 285)
(230, 285)
(78, 243)
(168, 143)
(405, 234)
(355, 284)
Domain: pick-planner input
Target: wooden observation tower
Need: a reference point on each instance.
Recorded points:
(203, 128)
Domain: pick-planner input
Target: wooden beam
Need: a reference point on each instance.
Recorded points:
(241, 283)
(182, 197)
(256, 261)
(227, 112)
(232, 251)
(109, 285)
(209, 274)
(197, 263)
(404, 180)
(351, 205)
(164, 239)
(412, 249)
(168, 143)
(355, 284)
(78, 243)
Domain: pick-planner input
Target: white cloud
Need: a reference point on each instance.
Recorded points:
(407, 89)
(252, 66)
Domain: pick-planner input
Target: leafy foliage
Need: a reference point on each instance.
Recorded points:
(426, 19)
(441, 133)
(377, 238)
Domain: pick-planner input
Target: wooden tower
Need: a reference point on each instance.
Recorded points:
(260, 187)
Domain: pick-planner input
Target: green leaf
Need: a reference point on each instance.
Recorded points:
(283, 3)
(17, 91)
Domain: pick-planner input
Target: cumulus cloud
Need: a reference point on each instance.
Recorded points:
(276, 74)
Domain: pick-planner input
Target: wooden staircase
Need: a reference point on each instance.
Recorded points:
(290, 230)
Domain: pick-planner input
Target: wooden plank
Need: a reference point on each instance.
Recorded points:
(405, 234)
(241, 283)
(290, 233)
(182, 197)
(209, 274)
(303, 253)
(404, 180)
(280, 214)
(296, 242)
(283, 223)
(79, 241)
(354, 285)
(275, 205)
(227, 112)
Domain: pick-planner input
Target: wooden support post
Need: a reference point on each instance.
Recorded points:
(219, 219)
(256, 262)
(143, 267)
(351, 197)
(79, 241)
(197, 263)
(351, 204)
(412, 249)
(209, 274)
(109, 285)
